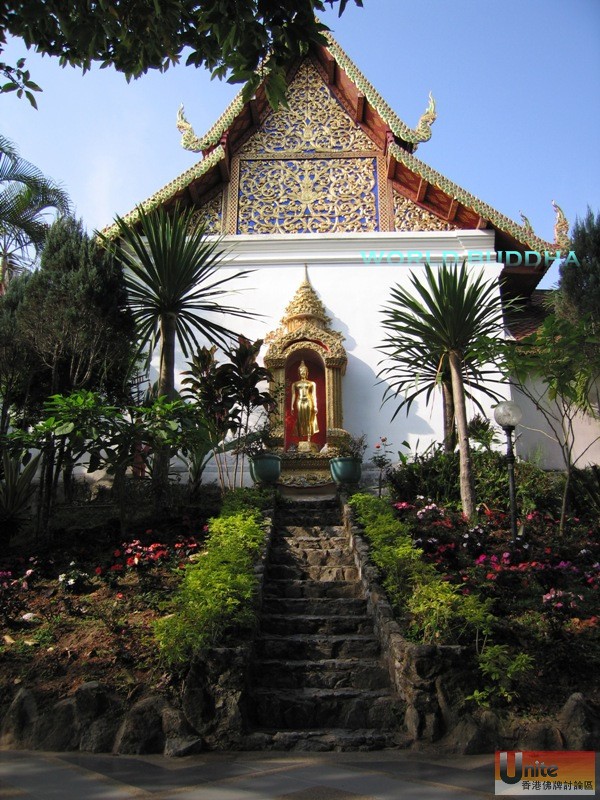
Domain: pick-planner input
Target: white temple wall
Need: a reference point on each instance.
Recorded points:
(537, 442)
(353, 293)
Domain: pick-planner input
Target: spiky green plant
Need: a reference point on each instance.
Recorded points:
(444, 332)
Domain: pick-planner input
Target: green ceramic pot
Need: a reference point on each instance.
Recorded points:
(265, 468)
(345, 469)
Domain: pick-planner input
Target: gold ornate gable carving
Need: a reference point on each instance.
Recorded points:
(211, 214)
(313, 121)
(308, 195)
(408, 216)
(310, 168)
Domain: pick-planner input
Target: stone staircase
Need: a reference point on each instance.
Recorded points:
(318, 681)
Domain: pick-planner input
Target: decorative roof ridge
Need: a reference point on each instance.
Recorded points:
(523, 233)
(189, 140)
(164, 194)
(421, 133)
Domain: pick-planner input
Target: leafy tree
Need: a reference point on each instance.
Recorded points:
(448, 326)
(244, 376)
(552, 367)
(19, 365)
(226, 36)
(27, 197)
(18, 80)
(206, 384)
(578, 293)
(74, 314)
(73, 323)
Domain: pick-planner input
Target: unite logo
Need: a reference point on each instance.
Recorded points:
(549, 773)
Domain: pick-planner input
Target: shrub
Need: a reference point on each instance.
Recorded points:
(16, 490)
(435, 474)
(239, 500)
(438, 611)
(585, 492)
(218, 589)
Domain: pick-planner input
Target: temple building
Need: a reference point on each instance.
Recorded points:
(327, 201)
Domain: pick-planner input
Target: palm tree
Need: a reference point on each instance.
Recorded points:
(417, 369)
(445, 333)
(173, 282)
(27, 197)
(173, 278)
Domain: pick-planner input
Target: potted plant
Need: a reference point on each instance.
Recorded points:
(345, 466)
(264, 464)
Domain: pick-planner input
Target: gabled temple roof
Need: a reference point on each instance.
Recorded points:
(394, 140)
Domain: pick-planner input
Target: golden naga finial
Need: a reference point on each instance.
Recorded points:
(188, 137)
(561, 229)
(527, 226)
(183, 126)
(427, 119)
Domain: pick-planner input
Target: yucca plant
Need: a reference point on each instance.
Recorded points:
(174, 284)
(444, 331)
(16, 490)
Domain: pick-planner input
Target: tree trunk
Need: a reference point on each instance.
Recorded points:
(467, 491)
(449, 423)
(166, 378)
(166, 388)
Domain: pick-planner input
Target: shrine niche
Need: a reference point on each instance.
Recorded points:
(307, 360)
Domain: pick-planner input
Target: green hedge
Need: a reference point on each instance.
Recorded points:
(217, 594)
(434, 610)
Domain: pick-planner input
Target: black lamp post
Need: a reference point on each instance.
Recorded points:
(507, 416)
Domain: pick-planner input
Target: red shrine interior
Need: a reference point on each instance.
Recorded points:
(316, 373)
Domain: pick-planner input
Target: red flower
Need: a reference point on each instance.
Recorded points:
(117, 554)
(116, 567)
(98, 570)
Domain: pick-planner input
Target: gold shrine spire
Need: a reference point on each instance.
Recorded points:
(305, 306)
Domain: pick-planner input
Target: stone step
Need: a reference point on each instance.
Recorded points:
(310, 532)
(284, 624)
(312, 647)
(319, 606)
(304, 572)
(303, 588)
(312, 557)
(333, 673)
(322, 740)
(316, 543)
(302, 709)
(305, 516)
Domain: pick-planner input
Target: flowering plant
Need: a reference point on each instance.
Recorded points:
(74, 580)
(381, 459)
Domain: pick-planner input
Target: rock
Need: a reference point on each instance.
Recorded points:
(100, 736)
(468, 737)
(579, 723)
(541, 736)
(57, 729)
(99, 715)
(18, 726)
(141, 731)
(180, 740)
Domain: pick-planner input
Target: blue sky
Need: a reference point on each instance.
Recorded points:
(516, 82)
